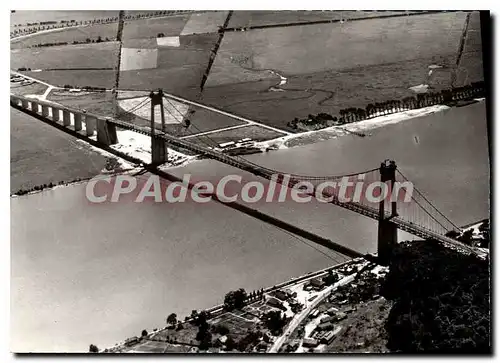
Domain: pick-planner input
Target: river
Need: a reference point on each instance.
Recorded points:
(97, 274)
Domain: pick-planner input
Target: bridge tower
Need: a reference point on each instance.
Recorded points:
(159, 153)
(387, 230)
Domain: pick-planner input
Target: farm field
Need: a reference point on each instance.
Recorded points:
(242, 19)
(335, 80)
(179, 70)
(314, 48)
(133, 29)
(97, 55)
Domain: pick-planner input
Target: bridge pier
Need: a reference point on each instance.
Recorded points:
(159, 151)
(55, 114)
(45, 111)
(90, 124)
(387, 230)
(34, 106)
(106, 132)
(66, 118)
(77, 118)
(25, 104)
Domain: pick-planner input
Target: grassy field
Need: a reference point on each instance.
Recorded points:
(97, 55)
(333, 47)
(31, 89)
(241, 19)
(41, 154)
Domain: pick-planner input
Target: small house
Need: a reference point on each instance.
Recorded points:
(310, 343)
(281, 295)
(272, 301)
(222, 339)
(327, 319)
(338, 316)
(314, 313)
(325, 326)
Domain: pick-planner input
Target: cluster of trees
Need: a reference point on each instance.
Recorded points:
(331, 278)
(93, 349)
(85, 88)
(86, 41)
(441, 300)
(274, 321)
(45, 186)
(352, 114)
(204, 336)
(35, 27)
(239, 298)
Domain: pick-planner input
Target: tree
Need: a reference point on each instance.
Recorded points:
(99, 39)
(274, 321)
(441, 300)
(172, 319)
(202, 319)
(144, 333)
(331, 278)
(230, 344)
(235, 299)
(205, 340)
(93, 349)
(222, 329)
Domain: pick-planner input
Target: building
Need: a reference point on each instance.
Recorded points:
(338, 316)
(325, 326)
(317, 284)
(222, 339)
(268, 338)
(281, 295)
(327, 319)
(332, 311)
(328, 337)
(272, 301)
(310, 343)
(314, 313)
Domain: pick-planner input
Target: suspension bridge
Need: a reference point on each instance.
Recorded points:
(415, 214)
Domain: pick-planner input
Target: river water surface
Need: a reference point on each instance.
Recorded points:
(97, 274)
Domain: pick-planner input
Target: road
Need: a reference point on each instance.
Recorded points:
(297, 319)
